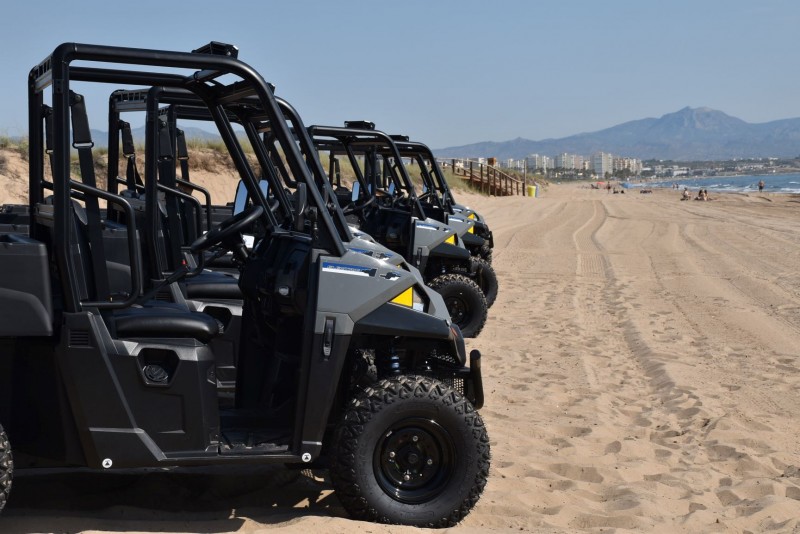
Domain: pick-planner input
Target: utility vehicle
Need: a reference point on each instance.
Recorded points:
(384, 204)
(445, 267)
(438, 195)
(110, 377)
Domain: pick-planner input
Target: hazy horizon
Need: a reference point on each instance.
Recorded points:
(543, 70)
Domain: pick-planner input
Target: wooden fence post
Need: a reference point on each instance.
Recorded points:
(489, 179)
(471, 175)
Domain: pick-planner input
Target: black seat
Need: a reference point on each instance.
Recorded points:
(343, 196)
(165, 322)
(160, 319)
(205, 285)
(213, 285)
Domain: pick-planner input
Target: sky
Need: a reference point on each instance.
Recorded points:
(451, 72)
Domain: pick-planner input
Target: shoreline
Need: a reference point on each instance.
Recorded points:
(696, 181)
(714, 194)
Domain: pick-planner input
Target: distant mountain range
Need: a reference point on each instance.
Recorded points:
(686, 135)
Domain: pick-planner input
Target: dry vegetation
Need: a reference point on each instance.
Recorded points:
(207, 159)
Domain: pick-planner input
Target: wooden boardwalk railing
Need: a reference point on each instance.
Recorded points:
(486, 178)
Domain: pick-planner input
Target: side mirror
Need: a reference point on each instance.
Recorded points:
(391, 189)
(240, 200)
(356, 190)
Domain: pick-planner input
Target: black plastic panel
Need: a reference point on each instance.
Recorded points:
(26, 307)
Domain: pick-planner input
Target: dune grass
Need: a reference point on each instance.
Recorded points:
(212, 156)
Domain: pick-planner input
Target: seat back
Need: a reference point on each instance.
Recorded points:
(26, 303)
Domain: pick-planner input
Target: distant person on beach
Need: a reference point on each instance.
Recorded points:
(699, 195)
(705, 195)
(685, 195)
(760, 186)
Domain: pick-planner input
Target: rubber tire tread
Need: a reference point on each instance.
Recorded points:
(490, 286)
(6, 468)
(485, 252)
(454, 282)
(347, 464)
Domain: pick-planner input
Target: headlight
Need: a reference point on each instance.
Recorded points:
(410, 298)
(471, 229)
(451, 239)
(471, 215)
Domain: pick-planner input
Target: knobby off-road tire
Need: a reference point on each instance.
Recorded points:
(6, 468)
(486, 279)
(485, 252)
(464, 300)
(410, 451)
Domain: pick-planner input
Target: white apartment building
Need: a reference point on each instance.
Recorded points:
(535, 161)
(599, 163)
(632, 164)
(602, 163)
(568, 161)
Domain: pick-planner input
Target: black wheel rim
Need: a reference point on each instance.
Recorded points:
(414, 460)
(458, 309)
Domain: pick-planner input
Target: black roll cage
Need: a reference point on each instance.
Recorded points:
(247, 112)
(344, 140)
(56, 71)
(433, 177)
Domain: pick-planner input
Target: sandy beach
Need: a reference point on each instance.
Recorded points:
(641, 374)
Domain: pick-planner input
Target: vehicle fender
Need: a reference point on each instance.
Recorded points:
(472, 240)
(450, 252)
(460, 225)
(395, 320)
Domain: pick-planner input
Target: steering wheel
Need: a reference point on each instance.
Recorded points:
(354, 207)
(401, 201)
(226, 229)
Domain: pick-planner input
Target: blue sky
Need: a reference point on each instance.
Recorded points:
(453, 72)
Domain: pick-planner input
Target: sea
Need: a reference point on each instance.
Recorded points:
(773, 183)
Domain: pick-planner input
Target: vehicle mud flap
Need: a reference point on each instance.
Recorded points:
(474, 390)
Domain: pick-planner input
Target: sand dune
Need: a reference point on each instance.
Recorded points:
(641, 372)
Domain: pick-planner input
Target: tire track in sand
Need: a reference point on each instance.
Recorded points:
(713, 454)
(643, 417)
